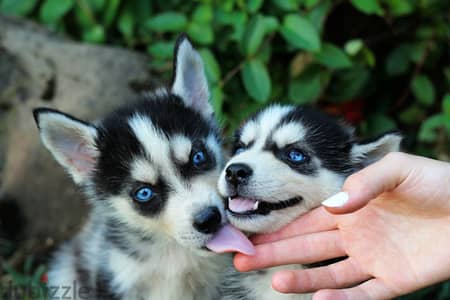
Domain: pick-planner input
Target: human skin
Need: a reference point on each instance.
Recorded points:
(394, 230)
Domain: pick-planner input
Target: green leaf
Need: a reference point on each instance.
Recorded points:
(217, 98)
(253, 35)
(319, 13)
(416, 52)
(427, 132)
(126, 24)
(200, 33)
(412, 115)
(349, 83)
(446, 105)
(311, 3)
(423, 90)
(168, 21)
(400, 7)
(236, 19)
(256, 80)
(96, 5)
(378, 123)
(95, 34)
(161, 50)
(306, 88)
(397, 61)
(352, 47)
(110, 12)
(141, 10)
(253, 5)
(270, 23)
(368, 6)
(203, 14)
(53, 10)
(17, 7)
(333, 57)
(287, 5)
(299, 32)
(212, 67)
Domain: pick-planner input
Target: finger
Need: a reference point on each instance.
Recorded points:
(342, 274)
(373, 289)
(316, 220)
(383, 176)
(303, 249)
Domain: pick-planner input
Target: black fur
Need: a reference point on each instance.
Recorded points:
(328, 140)
(42, 110)
(118, 145)
(124, 238)
(189, 170)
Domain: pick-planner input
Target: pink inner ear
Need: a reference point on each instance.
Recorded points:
(80, 156)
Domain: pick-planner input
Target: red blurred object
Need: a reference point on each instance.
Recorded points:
(351, 111)
(44, 278)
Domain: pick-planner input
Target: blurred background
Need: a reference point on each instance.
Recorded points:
(379, 64)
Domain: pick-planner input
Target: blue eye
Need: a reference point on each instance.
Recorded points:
(239, 150)
(199, 158)
(143, 194)
(296, 156)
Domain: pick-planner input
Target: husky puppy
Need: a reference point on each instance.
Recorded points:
(150, 171)
(286, 160)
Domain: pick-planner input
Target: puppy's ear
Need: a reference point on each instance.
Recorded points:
(369, 152)
(71, 141)
(189, 79)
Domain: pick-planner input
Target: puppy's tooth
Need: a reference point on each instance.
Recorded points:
(255, 206)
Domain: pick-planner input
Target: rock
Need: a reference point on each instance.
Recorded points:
(40, 68)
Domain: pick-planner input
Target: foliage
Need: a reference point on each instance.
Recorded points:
(26, 284)
(379, 63)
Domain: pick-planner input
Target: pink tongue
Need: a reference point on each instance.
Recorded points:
(240, 204)
(229, 239)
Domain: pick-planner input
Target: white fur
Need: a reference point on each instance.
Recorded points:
(159, 255)
(181, 146)
(71, 143)
(288, 134)
(373, 151)
(272, 180)
(258, 130)
(190, 80)
(143, 171)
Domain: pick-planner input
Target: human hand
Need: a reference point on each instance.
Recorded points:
(397, 243)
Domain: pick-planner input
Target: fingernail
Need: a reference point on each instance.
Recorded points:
(337, 200)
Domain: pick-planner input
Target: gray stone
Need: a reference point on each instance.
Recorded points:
(40, 68)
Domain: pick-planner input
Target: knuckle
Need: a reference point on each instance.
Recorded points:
(357, 180)
(395, 156)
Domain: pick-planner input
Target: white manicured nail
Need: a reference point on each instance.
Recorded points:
(337, 200)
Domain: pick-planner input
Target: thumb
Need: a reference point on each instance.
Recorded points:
(367, 184)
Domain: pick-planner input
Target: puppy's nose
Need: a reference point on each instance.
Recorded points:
(208, 220)
(238, 174)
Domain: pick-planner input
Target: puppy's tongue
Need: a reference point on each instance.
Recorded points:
(240, 205)
(229, 239)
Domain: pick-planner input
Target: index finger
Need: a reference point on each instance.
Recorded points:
(317, 220)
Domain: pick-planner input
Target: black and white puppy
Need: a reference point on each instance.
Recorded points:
(150, 171)
(286, 160)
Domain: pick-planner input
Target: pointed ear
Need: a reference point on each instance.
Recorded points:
(369, 152)
(71, 141)
(189, 79)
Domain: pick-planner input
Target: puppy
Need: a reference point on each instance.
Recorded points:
(286, 160)
(149, 171)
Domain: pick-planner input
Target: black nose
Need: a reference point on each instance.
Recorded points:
(238, 173)
(208, 220)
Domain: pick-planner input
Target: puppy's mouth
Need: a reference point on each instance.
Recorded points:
(241, 206)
